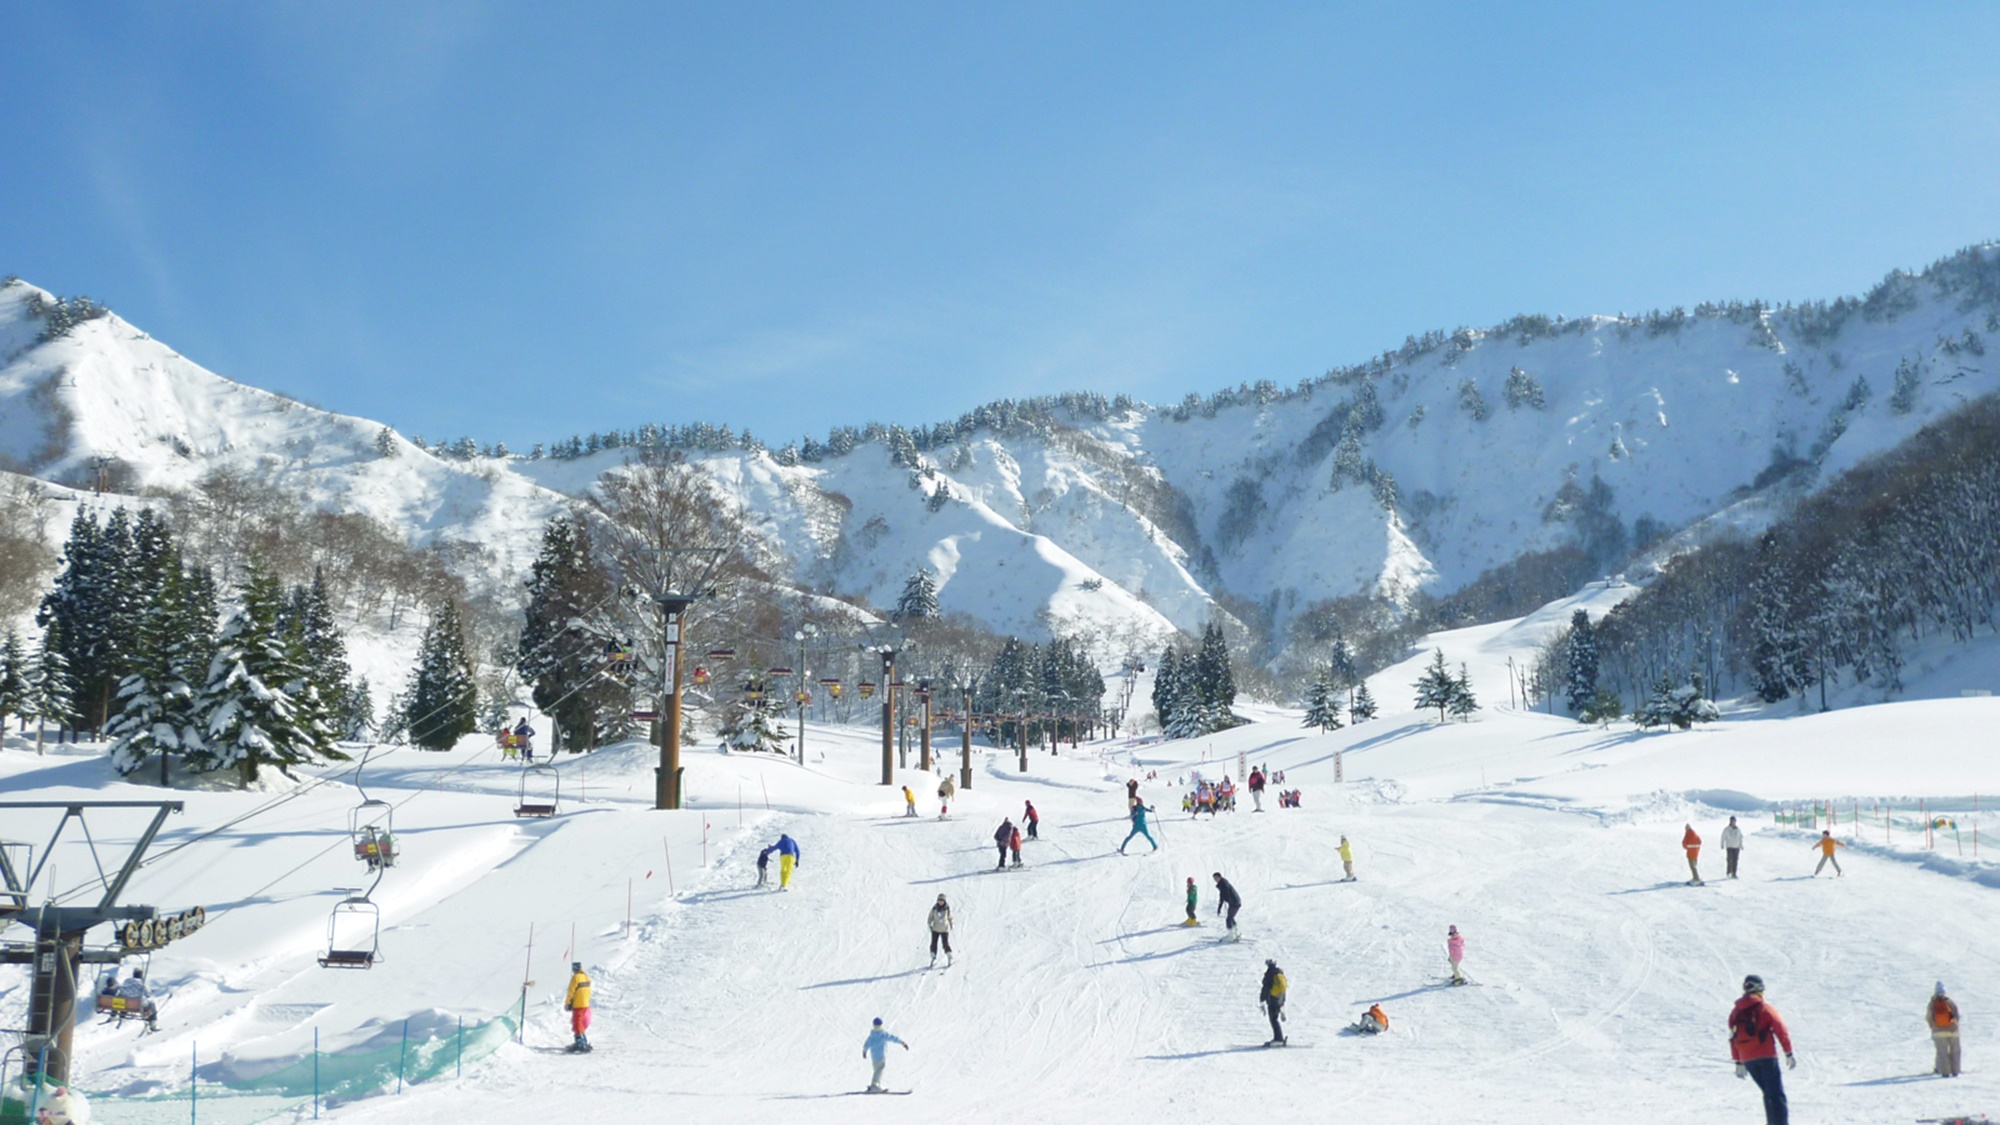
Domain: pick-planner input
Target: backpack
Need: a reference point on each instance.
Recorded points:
(1941, 1016)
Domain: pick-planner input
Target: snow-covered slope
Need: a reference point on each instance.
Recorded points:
(1416, 470)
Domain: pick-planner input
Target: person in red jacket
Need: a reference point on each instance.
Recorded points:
(1034, 820)
(1692, 843)
(1755, 1035)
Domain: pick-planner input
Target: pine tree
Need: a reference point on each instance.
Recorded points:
(161, 712)
(13, 679)
(1213, 682)
(919, 601)
(1580, 678)
(1363, 707)
(1437, 687)
(325, 649)
(566, 635)
(51, 692)
(1603, 709)
(385, 443)
(92, 612)
(1676, 705)
(442, 703)
(1323, 704)
(356, 720)
(748, 727)
(1463, 702)
(1343, 675)
(259, 707)
(1167, 688)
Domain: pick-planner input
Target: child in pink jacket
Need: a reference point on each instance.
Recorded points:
(1454, 948)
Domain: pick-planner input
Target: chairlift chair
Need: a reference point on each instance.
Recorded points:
(117, 1009)
(371, 826)
(541, 798)
(353, 933)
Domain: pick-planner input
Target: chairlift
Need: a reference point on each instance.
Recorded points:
(117, 1008)
(371, 826)
(753, 691)
(779, 670)
(618, 655)
(541, 791)
(353, 933)
(720, 655)
(867, 689)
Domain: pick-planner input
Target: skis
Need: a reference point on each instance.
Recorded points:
(1230, 937)
(868, 1092)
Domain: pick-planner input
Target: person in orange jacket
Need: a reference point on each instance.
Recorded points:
(1826, 843)
(1692, 843)
(1941, 1016)
(1755, 1034)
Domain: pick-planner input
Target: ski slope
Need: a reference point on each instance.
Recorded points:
(1603, 980)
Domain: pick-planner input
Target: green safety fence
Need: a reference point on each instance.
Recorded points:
(320, 1079)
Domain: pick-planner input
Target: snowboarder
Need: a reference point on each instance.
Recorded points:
(1756, 1033)
(1257, 790)
(524, 737)
(1454, 951)
(1272, 996)
(1191, 921)
(1226, 897)
(764, 864)
(940, 923)
(909, 802)
(1826, 843)
(1732, 846)
(788, 858)
(1374, 1021)
(576, 1002)
(1692, 843)
(1942, 1017)
(1347, 859)
(1014, 845)
(945, 790)
(877, 1048)
(1034, 821)
(1139, 811)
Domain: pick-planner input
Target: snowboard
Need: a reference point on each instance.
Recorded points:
(1231, 936)
(866, 1093)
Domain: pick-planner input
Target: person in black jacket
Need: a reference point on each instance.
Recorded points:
(1003, 836)
(1272, 996)
(1226, 896)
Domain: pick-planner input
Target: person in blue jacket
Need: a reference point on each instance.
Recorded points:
(788, 858)
(1139, 811)
(877, 1048)
(764, 864)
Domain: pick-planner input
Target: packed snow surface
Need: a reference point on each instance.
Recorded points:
(1602, 978)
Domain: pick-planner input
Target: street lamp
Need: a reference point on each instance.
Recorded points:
(801, 636)
(888, 654)
(924, 746)
(966, 688)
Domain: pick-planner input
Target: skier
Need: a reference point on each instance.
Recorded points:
(788, 858)
(577, 1002)
(1257, 790)
(1756, 1033)
(909, 802)
(1826, 843)
(1454, 951)
(764, 864)
(1732, 846)
(1226, 896)
(1692, 843)
(1139, 811)
(1943, 1020)
(1190, 904)
(1374, 1021)
(940, 923)
(1014, 845)
(1034, 821)
(1347, 859)
(877, 1048)
(945, 790)
(1272, 996)
(524, 737)
(1003, 836)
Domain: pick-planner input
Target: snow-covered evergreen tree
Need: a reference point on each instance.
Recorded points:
(1603, 709)
(1167, 688)
(919, 601)
(749, 727)
(324, 646)
(92, 611)
(1437, 687)
(51, 694)
(258, 707)
(1580, 674)
(1463, 702)
(162, 709)
(1675, 705)
(1363, 707)
(355, 721)
(13, 678)
(1214, 684)
(385, 443)
(1323, 704)
(567, 636)
(441, 705)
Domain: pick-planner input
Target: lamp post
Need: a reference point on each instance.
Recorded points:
(667, 781)
(799, 696)
(924, 733)
(965, 735)
(888, 655)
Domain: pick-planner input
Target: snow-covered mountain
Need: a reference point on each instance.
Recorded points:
(1417, 470)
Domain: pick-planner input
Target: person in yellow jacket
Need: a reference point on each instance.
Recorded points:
(1942, 1017)
(1347, 858)
(909, 802)
(577, 1002)
(1826, 843)
(1272, 996)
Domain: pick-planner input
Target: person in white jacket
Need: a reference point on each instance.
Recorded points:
(940, 922)
(1732, 845)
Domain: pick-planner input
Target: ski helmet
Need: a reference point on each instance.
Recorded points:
(576, 966)
(1753, 983)
(878, 1021)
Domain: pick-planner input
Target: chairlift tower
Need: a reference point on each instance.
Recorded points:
(57, 951)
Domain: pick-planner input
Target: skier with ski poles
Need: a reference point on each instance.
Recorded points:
(1732, 846)
(940, 924)
(1139, 811)
(1003, 836)
(876, 1048)
(1226, 897)
(1272, 996)
(1755, 1034)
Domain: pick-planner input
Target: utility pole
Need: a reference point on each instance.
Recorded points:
(924, 750)
(667, 780)
(800, 695)
(888, 656)
(965, 739)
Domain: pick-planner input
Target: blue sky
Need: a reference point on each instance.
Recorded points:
(519, 221)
